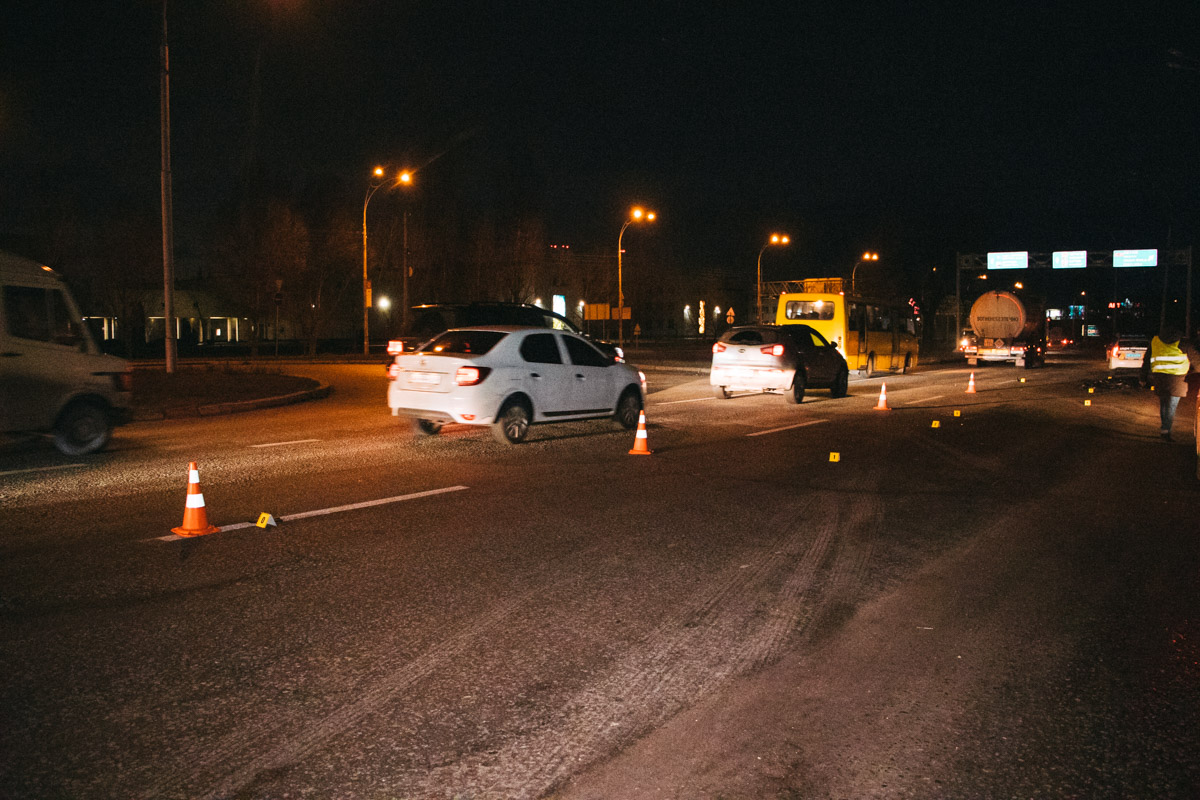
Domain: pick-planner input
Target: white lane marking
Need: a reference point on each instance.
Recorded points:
(369, 503)
(787, 427)
(925, 400)
(282, 444)
(676, 402)
(41, 469)
(323, 511)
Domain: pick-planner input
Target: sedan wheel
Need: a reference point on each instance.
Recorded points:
(512, 423)
(795, 395)
(720, 393)
(629, 409)
(426, 427)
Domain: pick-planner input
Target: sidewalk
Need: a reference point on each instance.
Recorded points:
(205, 391)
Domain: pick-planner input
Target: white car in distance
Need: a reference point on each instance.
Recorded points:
(511, 377)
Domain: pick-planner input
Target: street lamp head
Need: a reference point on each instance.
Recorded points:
(779, 238)
(405, 177)
(637, 214)
(378, 172)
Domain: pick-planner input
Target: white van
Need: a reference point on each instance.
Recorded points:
(53, 378)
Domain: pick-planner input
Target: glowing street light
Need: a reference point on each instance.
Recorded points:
(867, 256)
(636, 214)
(776, 239)
(404, 178)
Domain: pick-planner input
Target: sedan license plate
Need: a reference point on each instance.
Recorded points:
(423, 378)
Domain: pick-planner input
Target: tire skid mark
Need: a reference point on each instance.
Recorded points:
(688, 656)
(223, 769)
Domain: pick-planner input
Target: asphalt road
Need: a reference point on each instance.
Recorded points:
(816, 601)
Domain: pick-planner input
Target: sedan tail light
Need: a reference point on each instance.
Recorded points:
(470, 376)
(773, 350)
(395, 347)
(718, 347)
(394, 372)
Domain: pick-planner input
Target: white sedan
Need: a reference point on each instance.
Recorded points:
(1127, 352)
(511, 377)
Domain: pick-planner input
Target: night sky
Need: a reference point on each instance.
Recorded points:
(915, 129)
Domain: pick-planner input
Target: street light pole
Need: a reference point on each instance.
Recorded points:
(366, 284)
(776, 238)
(868, 256)
(404, 177)
(635, 215)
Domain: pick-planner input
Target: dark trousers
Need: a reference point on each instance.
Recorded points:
(1166, 411)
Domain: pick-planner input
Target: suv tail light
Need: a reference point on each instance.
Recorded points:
(470, 376)
(773, 350)
(395, 347)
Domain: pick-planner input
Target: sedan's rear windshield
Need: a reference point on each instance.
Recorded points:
(751, 336)
(464, 343)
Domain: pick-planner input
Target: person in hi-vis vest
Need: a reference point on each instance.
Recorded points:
(1165, 366)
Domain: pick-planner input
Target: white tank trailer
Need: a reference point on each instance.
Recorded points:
(1004, 329)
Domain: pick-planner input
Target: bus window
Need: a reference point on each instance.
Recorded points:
(808, 309)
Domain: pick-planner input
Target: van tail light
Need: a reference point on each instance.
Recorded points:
(773, 350)
(471, 376)
(394, 372)
(395, 347)
(718, 347)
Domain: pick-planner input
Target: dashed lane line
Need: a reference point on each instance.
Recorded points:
(787, 427)
(41, 469)
(284, 444)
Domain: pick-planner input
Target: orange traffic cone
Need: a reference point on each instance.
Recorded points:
(195, 518)
(971, 384)
(639, 442)
(882, 404)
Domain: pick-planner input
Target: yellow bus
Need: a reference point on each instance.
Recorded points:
(873, 335)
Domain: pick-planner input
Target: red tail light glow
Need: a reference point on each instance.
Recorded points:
(395, 347)
(718, 347)
(773, 350)
(470, 376)
(394, 372)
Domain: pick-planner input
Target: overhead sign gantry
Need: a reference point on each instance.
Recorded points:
(1072, 259)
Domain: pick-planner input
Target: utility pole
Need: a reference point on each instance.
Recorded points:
(168, 224)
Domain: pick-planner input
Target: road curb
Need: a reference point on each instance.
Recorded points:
(234, 407)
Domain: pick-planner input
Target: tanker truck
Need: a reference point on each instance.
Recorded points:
(1005, 330)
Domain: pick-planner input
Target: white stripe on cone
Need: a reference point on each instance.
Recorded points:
(195, 500)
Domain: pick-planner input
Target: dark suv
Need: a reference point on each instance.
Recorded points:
(426, 322)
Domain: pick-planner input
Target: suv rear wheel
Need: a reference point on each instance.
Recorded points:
(795, 395)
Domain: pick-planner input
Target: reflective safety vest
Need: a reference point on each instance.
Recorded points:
(1167, 359)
